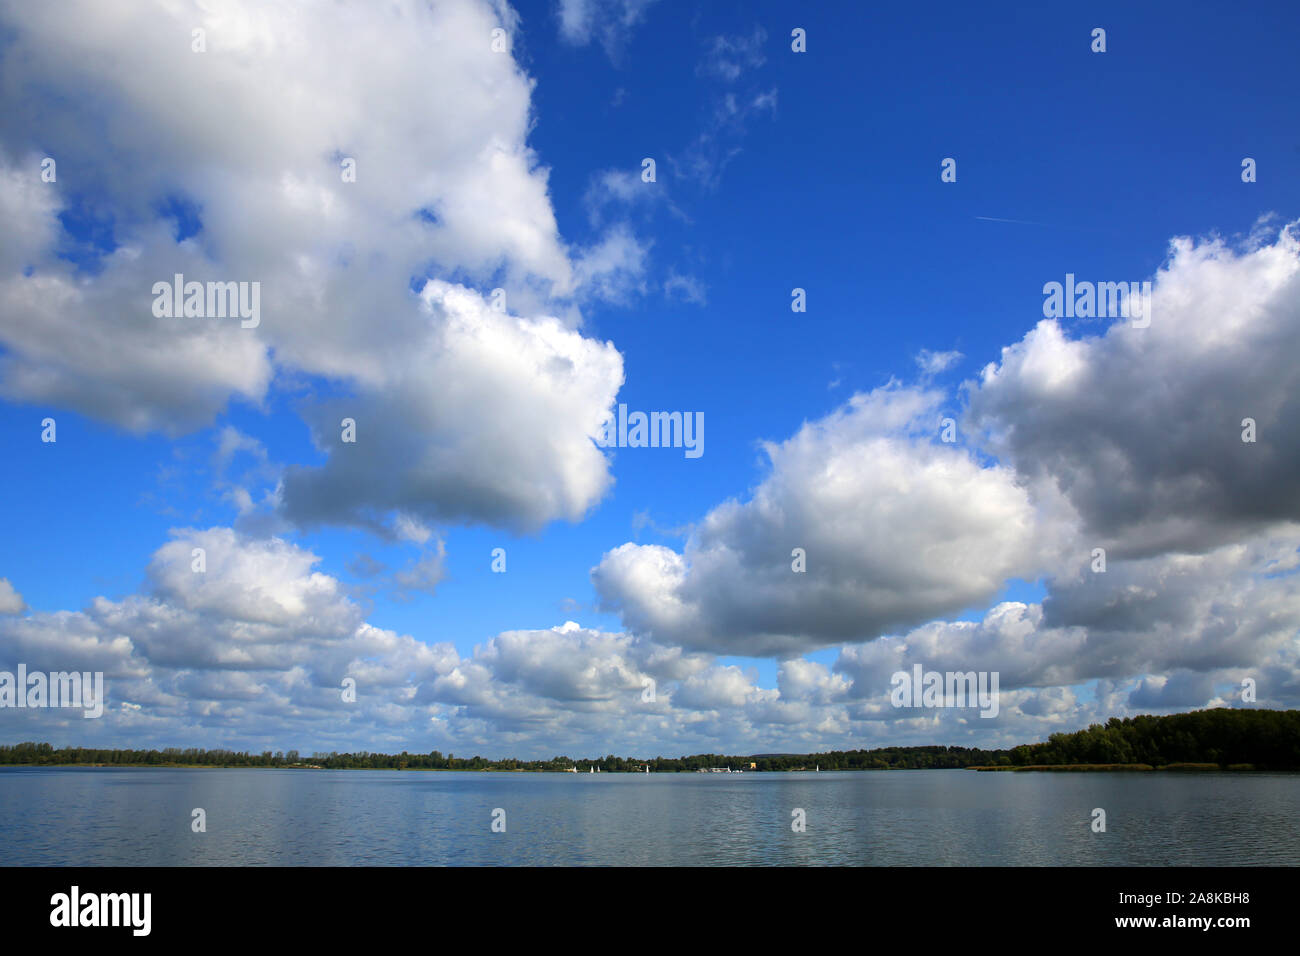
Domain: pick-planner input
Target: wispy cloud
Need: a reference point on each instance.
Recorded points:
(932, 363)
(609, 22)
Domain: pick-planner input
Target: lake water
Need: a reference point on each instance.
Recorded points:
(101, 816)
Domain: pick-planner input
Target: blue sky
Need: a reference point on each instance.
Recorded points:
(775, 170)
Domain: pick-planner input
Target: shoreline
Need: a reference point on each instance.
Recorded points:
(1049, 768)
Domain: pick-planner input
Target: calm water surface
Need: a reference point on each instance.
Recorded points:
(99, 816)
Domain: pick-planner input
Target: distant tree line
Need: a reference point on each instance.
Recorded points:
(1264, 739)
(908, 758)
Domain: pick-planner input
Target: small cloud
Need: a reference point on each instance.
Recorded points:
(932, 363)
(728, 57)
(705, 158)
(235, 488)
(411, 529)
(682, 288)
(365, 566)
(230, 442)
(641, 520)
(617, 187)
(422, 575)
(11, 602)
(612, 270)
(610, 22)
(241, 498)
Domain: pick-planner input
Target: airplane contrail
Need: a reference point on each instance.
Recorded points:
(1047, 225)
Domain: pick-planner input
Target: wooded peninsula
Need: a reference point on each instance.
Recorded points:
(1218, 739)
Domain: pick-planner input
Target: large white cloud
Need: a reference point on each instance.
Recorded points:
(249, 137)
(897, 528)
(1141, 428)
(514, 405)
